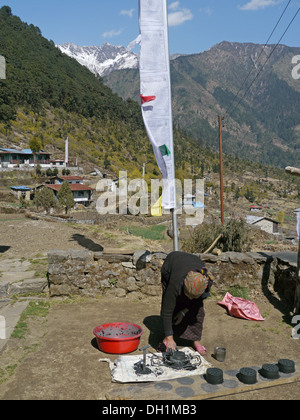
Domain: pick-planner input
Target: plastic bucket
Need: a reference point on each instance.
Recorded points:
(118, 337)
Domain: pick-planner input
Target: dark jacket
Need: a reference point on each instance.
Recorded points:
(173, 272)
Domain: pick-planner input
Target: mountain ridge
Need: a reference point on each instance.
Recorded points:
(263, 125)
(220, 81)
(101, 60)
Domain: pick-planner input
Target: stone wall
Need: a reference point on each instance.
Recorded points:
(82, 272)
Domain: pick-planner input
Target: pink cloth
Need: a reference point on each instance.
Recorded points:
(241, 308)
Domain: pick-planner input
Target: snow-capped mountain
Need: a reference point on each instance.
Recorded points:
(101, 60)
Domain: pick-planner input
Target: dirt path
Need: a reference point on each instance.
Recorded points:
(21, 237)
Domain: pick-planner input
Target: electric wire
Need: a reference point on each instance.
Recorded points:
(268, 58)
(266, 43)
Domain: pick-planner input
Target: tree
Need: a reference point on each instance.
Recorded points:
(45, 198)
(35, 146)
(65, 197)
(5, 12)
(249, 195)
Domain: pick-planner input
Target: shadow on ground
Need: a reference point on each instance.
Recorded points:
(86, 243)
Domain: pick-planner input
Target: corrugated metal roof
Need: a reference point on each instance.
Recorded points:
(73, 187)
(22, 152)
(21, 188)
(10, 150)
(18, 152)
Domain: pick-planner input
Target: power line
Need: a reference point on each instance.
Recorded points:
(268, 58)
(263, 48)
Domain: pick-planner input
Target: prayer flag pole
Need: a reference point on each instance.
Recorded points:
(156, 102)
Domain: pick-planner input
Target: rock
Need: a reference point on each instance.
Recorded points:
(57, 268)
(55, 256)
(159, 255)
(141, 258)
(37, 285)
(128, 264)
(129, 284)
(81, 255)
(3, 287)
(239, 257)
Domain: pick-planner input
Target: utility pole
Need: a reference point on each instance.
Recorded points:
(221, 169)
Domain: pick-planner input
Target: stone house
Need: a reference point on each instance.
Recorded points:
(264, 223)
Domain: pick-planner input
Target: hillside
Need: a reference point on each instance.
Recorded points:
(263, 125)
(49, 96)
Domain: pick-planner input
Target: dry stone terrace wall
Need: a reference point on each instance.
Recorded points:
(82, 272)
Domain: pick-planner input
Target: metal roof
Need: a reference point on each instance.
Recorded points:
(21, 188)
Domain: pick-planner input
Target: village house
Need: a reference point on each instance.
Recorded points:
(22, 191)
(10, 158)
(256, 208)
(264, 223)
(58, 163)
(82, 194)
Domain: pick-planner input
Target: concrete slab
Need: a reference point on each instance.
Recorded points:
(10, 315)
(14, 265)
(15, 276)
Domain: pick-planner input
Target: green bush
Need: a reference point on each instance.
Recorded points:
(235, 236)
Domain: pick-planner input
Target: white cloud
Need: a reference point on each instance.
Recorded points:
(112, 33)
(259, 4)
(207, 10)
(178, 15)
(127, 12)
(174, 5)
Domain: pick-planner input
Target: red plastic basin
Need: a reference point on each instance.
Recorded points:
(118, 337)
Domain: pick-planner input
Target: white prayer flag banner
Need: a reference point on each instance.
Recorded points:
(155, 85)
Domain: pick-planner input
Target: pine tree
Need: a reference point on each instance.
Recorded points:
(65, 197)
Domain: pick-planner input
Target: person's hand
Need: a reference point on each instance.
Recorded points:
(170, 343)
(178, 318)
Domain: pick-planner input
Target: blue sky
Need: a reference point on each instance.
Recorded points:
(194, 25)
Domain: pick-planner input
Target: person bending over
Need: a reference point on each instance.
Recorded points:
(185, 284)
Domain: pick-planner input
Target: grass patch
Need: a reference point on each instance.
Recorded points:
(154, 233)
(6, 372)
(40, 309)
(239, 291)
